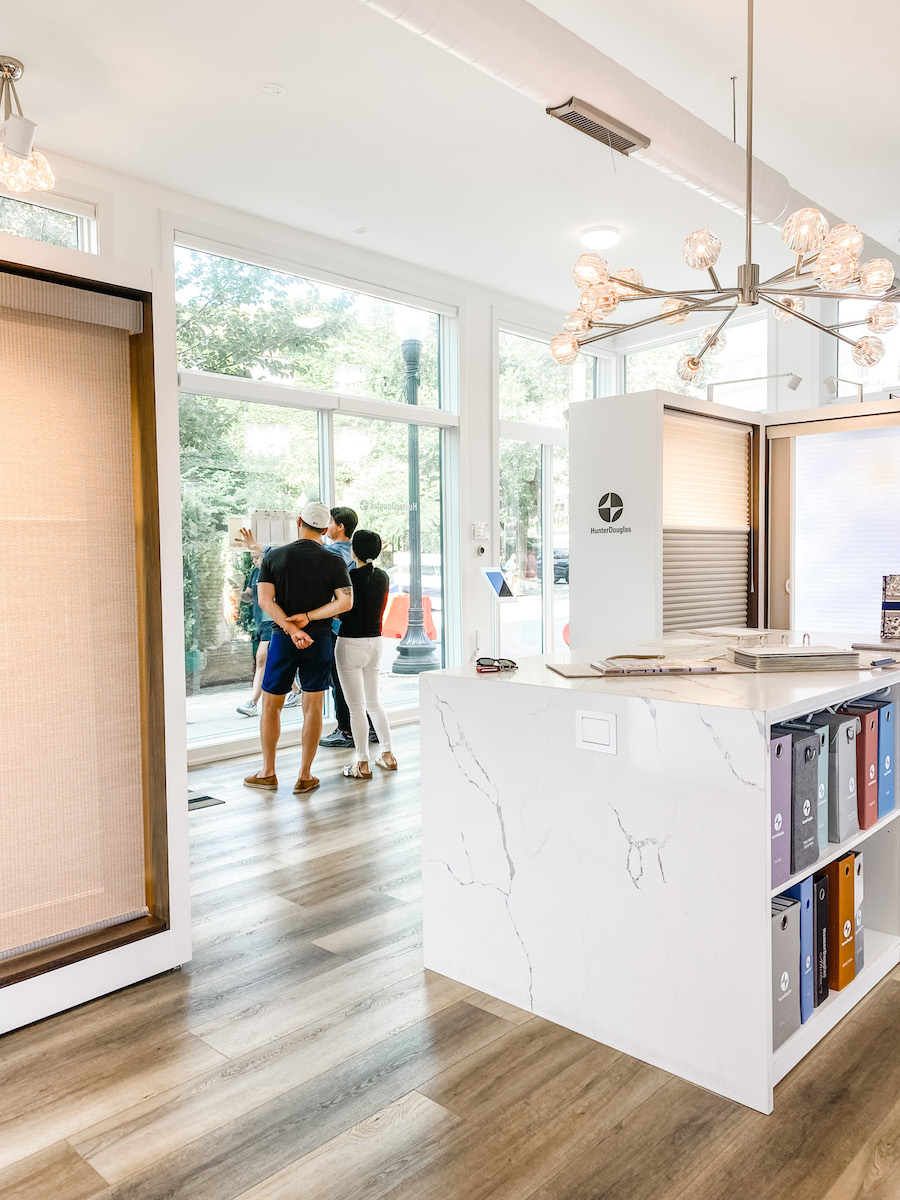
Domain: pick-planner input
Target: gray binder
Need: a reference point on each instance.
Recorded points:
(858, 910)
(843, 817)
(822, 798)
(785, 970)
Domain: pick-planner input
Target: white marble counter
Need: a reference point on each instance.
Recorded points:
(775, 695)
(624, 895)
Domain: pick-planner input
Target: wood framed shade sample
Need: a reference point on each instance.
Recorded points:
(82, 796)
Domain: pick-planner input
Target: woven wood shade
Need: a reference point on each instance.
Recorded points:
(72, 851)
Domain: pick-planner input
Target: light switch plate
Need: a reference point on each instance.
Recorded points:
(595, 731)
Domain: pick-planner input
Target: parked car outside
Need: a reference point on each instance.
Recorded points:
(560, 564)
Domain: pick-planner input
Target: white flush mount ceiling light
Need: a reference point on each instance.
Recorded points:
(827, 266)
(309, 321)
(272, 89)
(22, 168)
(600, 237)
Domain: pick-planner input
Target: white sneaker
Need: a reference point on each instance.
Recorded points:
(249, 709)
(293, 699)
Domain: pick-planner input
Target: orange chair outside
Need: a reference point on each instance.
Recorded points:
(396, 617)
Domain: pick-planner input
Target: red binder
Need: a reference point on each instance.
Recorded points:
(866, 765)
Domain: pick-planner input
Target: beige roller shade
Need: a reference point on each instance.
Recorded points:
(72, 851)
(706, 521)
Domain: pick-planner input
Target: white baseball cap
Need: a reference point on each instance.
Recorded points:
(315, 514)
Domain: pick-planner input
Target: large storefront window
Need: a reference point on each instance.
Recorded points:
(372, 476)
(245, 462)
(235, 458)
(236, 318)
(534, 388)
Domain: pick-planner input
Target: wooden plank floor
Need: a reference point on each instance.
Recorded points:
(304, 1053)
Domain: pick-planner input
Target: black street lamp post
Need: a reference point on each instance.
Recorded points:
(416, 652)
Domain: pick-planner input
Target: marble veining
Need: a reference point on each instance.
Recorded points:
(465, 757)
(634, 863)
(724, 751)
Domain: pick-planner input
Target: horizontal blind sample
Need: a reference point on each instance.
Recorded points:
(71, 791)
(846, 531)
(706, 521)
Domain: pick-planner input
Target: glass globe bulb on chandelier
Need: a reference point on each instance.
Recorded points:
(22, 168)
(827, 267)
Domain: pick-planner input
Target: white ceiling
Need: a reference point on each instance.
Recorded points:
(443, 165)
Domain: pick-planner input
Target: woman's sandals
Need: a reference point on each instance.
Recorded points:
(354, 772)
(387, 761)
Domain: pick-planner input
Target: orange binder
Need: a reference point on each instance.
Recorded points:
(841, 922)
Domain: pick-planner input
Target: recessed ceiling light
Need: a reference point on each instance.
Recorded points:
(600, 237)
(363, 229)
(309, 321)
(272, 89)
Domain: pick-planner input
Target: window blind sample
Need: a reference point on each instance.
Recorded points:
(71, 797)
(706, 521)
(846, 533)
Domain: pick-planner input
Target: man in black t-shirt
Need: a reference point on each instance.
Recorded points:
(301, 587)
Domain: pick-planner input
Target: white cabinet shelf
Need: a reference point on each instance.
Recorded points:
(836, 850)
(627, 896)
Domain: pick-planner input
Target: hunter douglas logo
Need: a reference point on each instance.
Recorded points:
(610, 511)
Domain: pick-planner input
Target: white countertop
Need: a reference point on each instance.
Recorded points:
(775, 694)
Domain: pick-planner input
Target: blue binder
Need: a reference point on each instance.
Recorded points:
(803, 893)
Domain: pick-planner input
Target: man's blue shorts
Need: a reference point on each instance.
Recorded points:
(314, 664)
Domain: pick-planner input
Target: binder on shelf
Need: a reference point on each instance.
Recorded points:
(866, 764)
(803, 893)
(820, 938)
(885, 710)
(785, 971)
(858, 936)
(780, 756)
(804, 789)
(822, 785)
(841, 922)
(843, 817)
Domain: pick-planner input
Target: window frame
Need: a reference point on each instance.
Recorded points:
(85, 213)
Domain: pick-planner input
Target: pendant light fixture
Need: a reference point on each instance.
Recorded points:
(22, 168)
(827, 266)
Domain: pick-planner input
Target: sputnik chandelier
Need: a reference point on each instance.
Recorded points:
(22, 168)
(827, 266)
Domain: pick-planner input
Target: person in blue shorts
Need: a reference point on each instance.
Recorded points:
(301, 587)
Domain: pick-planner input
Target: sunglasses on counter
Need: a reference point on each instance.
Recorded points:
(486, 665)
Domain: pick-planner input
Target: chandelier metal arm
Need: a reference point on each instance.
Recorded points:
(790, 272)
(685, 293)
(709, 341)
(599, 337)
(816, 293)
(803, 317)
(715, 279)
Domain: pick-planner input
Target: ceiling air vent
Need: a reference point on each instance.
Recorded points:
(599, 126)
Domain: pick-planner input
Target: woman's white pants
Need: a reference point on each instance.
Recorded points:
(358, 665)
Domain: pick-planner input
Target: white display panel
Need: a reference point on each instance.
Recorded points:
(845, 530)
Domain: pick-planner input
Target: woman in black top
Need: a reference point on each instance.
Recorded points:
(358, 656)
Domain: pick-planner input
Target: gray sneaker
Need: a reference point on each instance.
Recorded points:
(293, 699)
(337, 740)
(248, 710)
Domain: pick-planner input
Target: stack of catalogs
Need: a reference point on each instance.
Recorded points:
(794, 658)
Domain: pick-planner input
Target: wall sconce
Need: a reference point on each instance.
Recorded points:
(793, 383)
(831, 387)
